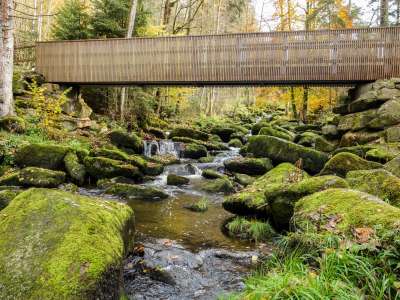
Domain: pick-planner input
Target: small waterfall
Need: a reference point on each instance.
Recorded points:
(162, 147)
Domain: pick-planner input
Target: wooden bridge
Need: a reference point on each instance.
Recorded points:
(347, 56)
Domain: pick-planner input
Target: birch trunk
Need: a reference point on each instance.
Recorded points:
(6, 58)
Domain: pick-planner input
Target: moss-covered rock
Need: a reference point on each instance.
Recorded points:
(344, 162)
(226, 132)
(39, 177)
(10, 179)
(173, 179)
(393, 166)
(165, 160)
(125, 140)
(211, 174)
(153, 169)
(281, 197)
(257, 127)
(280, 150)
(58, 245)
(244, 179)
(157, 132)
(6, 196)
(194, 151)
(359, 138)
(133, 191)
(277, 131)
(313, 140)
(387, 115)
(251, 200)
(74, 168)
(206, 159)
(211, 146)
(235, 143)
(12, 124)
(356, 215)
(189, 133)
(101, 167)
(219, 185)
(379, 182)
(248, 165)
(42, 156)
(356, 121)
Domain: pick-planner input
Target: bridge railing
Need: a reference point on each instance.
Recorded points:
(347, 55)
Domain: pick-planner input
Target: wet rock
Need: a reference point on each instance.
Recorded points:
(344, 162)
(133, 191)
(379, 182)
(12, 124)
(173, 179)
(42, 156)
(194, 151)
(167, 159)
(207, 159)
(281, 197)
(153, 169)
(157, 132)
(236, 143)
(251, 200)
(219, 185)
(101, 167)
(277, 131)
(74, 168)
(211, 174)
(127, 141)
(284, 151)
(72, 244)
(189, 133)
(244, 179)
(249, 166)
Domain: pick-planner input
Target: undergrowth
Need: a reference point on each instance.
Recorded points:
(250, 229)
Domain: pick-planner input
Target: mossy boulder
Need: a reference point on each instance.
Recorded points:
(277, 131)
(379, 182)
(42, 156)
(10, 179)
(39, 177)
(206, 159)
(226, 132)
(153, 169)
(74, 168)
(393, 166)
(356, 215)
(248, 165)
(244, 179)
(101, 167)
(281, 197)
(344, 162)
(387, 115)
(235, 143)
(6, 196)
(58, 245)
(173, 179)
(257, 127)
(280, 150)
(133, 191)
(165, 160)
(211, 146)
(356, 121)
(189, 133)
(128, 141)
(211, 174)
(251, 200)
(12, 124)
(313, 140)
(359, 138)
(219, 185)
(157, 132)
(194, 151)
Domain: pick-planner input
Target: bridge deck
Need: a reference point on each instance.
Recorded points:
(300, 57)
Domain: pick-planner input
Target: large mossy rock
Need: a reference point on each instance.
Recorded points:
(235, 143)
(280, 150)
(356, 215)
(74, 168)
(132, 191)
(212, 174)
(58, 245)
(229, 131)
(211, 146)
(42, 156)
(7, 195)
(173, 179)
(387, 115)
(12, 124)
(393, 166)
(313, 140)
(277, 131)
(344, 162)
(251, 200)
(255, 129)
(281, 197)
(194, 151)
(248, 165)
(101, 167)
(357, 121)
(361, 137)
(39, 177)
(128, 141)
(189, 133)
(244, 179)
(379, 182)
(219, 185)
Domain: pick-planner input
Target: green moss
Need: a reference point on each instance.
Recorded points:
(244, 179)
(6, 196)
(253, 230)
(129, 141)
(248, 165)
(194, 151)
(344, 210)
(345, 162)
(251, 200)
(226, 131)
(101, 167)
(219, 185)
(236, 143)
(257, 127)
(211, 174)
(132, 191)
(311, 139)
(74, 168)
(42, 156)
(211, 146)
(277, 131)
(58, 245)
(40, 177)
(199, 206)
(13, 124)
(165, 160)
(173, 179)
(207, 159)
(189, 133)
(393, 166)
(380, 183)
(284, 151)
(10, 179)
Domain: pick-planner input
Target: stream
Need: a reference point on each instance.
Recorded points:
(181, 254)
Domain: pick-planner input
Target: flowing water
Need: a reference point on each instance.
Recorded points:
(180, 254)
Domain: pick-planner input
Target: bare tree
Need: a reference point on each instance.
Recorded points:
(384, 13)
(6, 58)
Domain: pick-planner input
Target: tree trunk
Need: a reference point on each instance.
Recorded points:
(305, 104)
(293, 103)
(384, 14)
(129, 33)
(6, 58)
